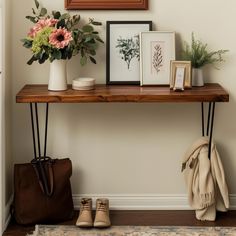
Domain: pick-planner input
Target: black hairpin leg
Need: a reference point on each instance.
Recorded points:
(37, 148)
(210, 123)
(35, 122)
(203, 122)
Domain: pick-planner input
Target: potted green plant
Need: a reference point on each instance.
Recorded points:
(57, 37)
(199, 55)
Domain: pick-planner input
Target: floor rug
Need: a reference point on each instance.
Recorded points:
(49, 230)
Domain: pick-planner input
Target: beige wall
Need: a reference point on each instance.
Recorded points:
(130, 148)
(7, 98)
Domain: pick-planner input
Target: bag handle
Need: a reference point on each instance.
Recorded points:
(45, 184)
(46, 189)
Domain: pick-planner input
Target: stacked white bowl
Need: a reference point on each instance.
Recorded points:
(83, 83)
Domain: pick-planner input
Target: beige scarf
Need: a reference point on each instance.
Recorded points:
(205, 180)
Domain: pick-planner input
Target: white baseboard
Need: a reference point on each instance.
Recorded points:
(133, 202)
(139, 202)
(145, 202)
(8, 212)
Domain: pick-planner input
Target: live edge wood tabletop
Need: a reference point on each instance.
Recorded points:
(211, 92)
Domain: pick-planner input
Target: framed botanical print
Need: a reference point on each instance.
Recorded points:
(106, 4)
(123, 51)
(157, 50)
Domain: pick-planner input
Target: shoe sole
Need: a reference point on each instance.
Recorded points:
(101, 225)
(84, 225)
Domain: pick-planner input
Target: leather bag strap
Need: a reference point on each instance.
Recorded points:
(51, 180)
(46, 183)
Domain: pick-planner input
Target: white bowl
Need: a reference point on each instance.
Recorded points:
(83, 83)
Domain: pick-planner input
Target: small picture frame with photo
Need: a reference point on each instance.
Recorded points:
(180, 75)
(179, 78)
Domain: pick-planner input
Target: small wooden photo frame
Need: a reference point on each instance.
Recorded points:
(180, 75)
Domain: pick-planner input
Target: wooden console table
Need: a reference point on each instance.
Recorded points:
(119, 93)
(34, 94)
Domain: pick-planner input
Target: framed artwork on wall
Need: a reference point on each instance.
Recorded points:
(106, 4)
(123, 51)
(157, 50)
(185, 66)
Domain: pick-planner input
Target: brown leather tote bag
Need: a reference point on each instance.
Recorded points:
(38, 202)
(42, 190)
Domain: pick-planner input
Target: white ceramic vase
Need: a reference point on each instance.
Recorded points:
(57, 76)
(197, 77)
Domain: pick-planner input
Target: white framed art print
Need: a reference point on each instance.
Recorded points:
(157, 50)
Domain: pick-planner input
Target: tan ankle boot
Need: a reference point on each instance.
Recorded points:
(102, 219)
(85, 215)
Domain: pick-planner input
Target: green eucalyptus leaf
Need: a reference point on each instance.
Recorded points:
(56, 14)
(76, 19)
(33, 11)
(83, 60)
(92, 60)
(91, 46)
(92, 41)
(46, 56)
(70, 54)
(87, 28)
(64, 16)
(64, 54)
(68, 25)
(36, 4)
(27, 44)
(75, 52)
(99, 40)
(89, 38)
(61, 24)
(57, 54)
(31, 60)
(96, 23)
(31, 18)
(82, 52)
(43, 58)
(43, 12)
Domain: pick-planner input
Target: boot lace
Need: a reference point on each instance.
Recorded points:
(85, 205)
(102, 206)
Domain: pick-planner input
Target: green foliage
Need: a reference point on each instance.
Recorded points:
(198, 54)
(36, 4)
(85, 38)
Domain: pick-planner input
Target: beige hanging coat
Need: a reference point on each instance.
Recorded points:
(205, 180)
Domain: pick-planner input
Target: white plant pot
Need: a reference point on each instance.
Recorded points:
(58, 76)
(197, 77)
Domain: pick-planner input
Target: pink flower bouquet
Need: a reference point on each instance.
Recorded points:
(58, 36)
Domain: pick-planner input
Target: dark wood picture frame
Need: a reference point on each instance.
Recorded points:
(126, 80)
(106, 5)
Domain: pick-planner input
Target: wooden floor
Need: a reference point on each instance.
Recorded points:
(143, 218)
